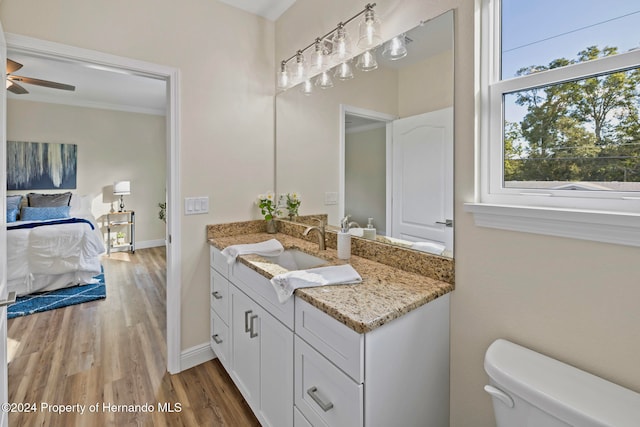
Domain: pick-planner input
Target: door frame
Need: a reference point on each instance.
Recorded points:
(172, 77)
(374, 115)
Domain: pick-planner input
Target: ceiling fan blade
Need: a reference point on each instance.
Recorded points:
(12, 66)
(38, 82)
(17, 89)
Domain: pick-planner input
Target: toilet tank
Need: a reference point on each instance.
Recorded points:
(531, 389)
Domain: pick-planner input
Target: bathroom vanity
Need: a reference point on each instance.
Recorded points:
(372, 354)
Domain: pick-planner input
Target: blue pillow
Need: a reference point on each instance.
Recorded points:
(13, 202)
(42, 214)
(12, 215)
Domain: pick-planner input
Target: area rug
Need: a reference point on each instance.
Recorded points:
(36, 303)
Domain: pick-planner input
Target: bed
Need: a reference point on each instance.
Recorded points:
(45, 253)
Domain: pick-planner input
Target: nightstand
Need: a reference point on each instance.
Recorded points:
(120, 222)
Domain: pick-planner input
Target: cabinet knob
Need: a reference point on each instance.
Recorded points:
(216, 295)
(313, 392)
(216, 339)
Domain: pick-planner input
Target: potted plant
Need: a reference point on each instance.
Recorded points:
(292, 202)
(120, 237)
(269, 208)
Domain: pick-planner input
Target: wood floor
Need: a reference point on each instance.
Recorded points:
(113, 352)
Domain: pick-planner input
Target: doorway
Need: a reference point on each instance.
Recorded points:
(170, 75)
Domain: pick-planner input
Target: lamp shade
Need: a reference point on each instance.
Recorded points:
(122, 188)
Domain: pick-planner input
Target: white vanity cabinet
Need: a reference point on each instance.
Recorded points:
(260, 346)
(298, 366)
(395, 375)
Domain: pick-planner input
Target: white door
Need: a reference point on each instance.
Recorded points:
(422, 178)
(4, 390)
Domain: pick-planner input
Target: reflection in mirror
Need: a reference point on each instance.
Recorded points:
(380, 145)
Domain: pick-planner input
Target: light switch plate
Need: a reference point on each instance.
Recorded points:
(196, 205)
(330, 198)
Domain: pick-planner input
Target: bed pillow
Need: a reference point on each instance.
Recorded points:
(37, 200)
(12, 215)
(13, 202)
(42, 214)
(80, 206)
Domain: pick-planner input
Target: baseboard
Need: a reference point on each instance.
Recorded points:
(195, 356)
(150, 243)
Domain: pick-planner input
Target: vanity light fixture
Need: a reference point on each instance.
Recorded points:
(283, 76)
(337, 44)
(323, 81)
(396, 48)
(343, 71)
(369, 30)
(299, 68)
(307, 87)
(367, 61)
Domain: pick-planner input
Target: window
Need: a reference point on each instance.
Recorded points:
(560, 105)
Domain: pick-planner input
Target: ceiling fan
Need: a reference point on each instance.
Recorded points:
(14, 87)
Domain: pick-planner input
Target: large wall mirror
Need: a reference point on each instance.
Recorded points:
(379, 145)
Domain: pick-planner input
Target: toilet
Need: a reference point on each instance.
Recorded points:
(529, 389)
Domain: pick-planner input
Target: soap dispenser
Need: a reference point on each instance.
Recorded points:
(369, 232)
(344, 239)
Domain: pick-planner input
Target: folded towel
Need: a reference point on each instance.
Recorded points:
(267, 248)
(433, 248)
(284, 284)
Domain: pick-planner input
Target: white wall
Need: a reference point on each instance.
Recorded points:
(112, 146)
(574, 300)
(426, 86)
(225, 57)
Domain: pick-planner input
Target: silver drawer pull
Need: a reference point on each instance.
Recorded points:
(216, 295)
(325, 406)
(252, 333)
(246, 320)
(11, 298)
(216, 339)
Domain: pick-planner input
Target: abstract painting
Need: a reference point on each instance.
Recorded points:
(41, 165)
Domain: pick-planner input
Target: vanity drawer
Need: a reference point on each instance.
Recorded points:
(218, 261)
(260, 289)
(323, 393)
(340, 344)
(219, 295)
(220, 339)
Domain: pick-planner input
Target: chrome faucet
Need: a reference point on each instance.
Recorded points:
(320, 230)
(353, 224)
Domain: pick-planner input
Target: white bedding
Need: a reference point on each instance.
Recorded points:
(52, 256)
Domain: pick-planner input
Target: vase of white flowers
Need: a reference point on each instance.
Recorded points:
(292, 202)
(269, 208)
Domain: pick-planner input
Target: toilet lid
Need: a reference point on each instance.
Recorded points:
(572, 395)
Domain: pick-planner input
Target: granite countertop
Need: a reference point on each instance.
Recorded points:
(385, 293)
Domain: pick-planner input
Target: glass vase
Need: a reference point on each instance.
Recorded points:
(271, 226)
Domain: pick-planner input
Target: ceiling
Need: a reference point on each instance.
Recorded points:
(270, 9)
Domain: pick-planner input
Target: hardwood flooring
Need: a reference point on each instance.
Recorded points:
(110, 355)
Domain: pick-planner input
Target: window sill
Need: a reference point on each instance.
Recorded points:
(599, 226)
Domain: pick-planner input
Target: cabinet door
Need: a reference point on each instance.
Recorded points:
(246, 346)
(276, 372)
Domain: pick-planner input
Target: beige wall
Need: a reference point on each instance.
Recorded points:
(426, 86)
(225, 57)
(112, 146)
(574, 300)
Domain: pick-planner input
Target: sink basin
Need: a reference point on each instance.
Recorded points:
(294, 259)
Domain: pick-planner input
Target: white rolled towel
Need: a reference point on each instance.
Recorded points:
(267, 248)
(284, 284)
(433, 248)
